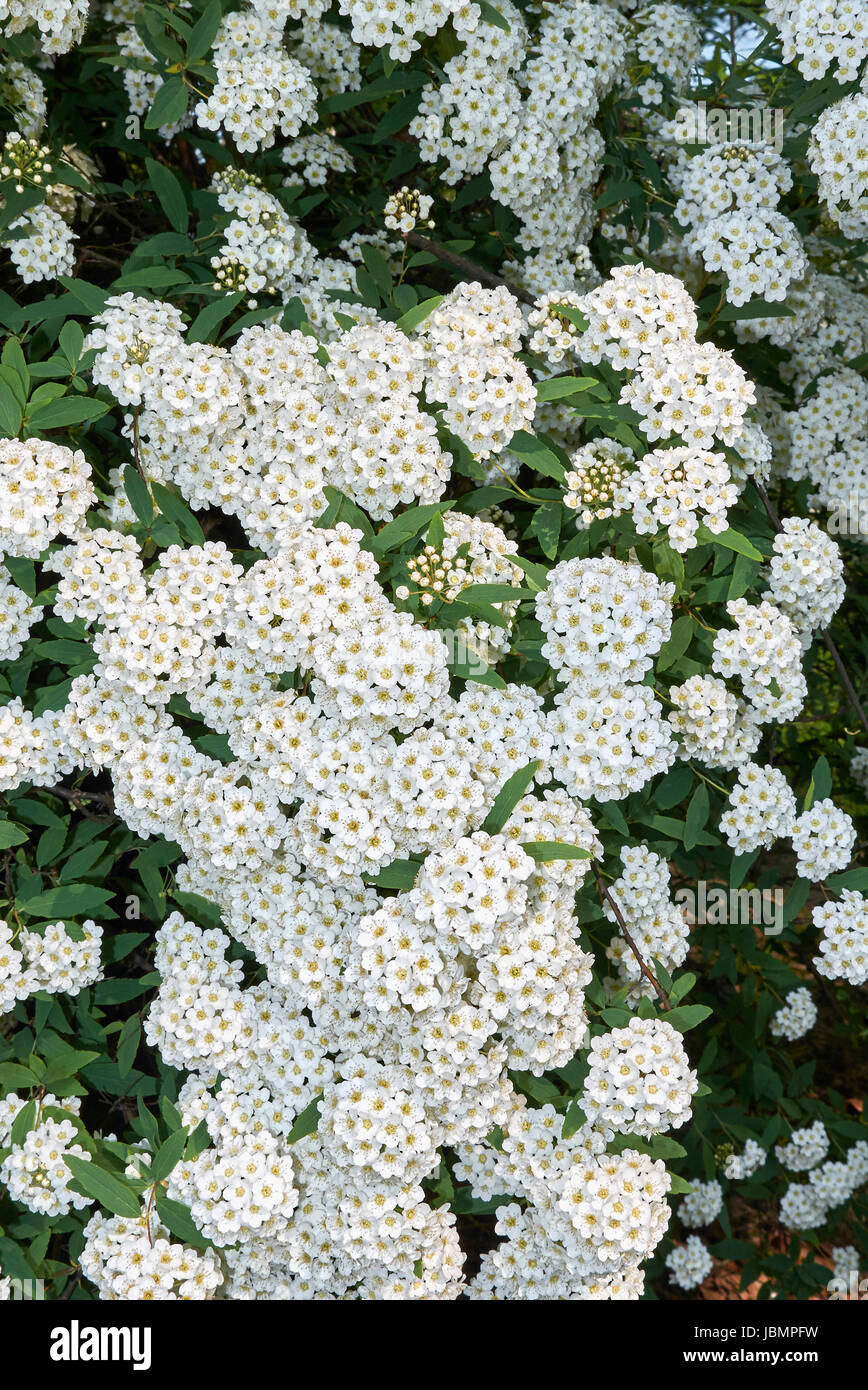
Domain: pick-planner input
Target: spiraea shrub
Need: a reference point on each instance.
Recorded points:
(433, 506)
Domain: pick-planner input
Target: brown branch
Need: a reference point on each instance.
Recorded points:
(469, 269)
(823, 632)
(74, 796)
(622, 925)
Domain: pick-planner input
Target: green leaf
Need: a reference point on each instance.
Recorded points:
(557, 387)
(129, 1039)
(508, 798)
(687, 1016)
(677, 643)
(207, 319)
(492, 15)
(11, 411)
(306, 1122)
(70, 900)
(546, 526)
(23, 1123)
(168, 1155)
(175, 510)
(754, 309)
(820, 784)
(69, 410)
(406, 526)
(92, 1181)
(732, 540)
(545, 850)
(13, 1076)
(204, 32)
(139, 495)
(400, 874)
(170, 194)
(11, 834)
(537, 455)
(178, 1219)
(169, 105)
(697, 815)
(413, 317)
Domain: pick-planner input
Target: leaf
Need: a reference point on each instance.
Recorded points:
(677, 643)
(69, 410)
(168, 1155)
(400, 874)
(175, 510)
(306, 1122)
(546, 526)
(697, 815)
(11, 412)
(537, 455)
(820, 784)
(11, 834)
(204, 32)
(508, 798)
(687, 1016)
(413, 317)
(492, 15)
(170, 194)
(92, 1181)
(557, 387)
(23, 1123)
(178, 1219)
(139, 495)
(378, 266)
(406, 526)
(732, 540)
(69, 900)
(12, 1076)
(129, 1039)
(207, 319)
(169, 105)
(754, 309)
(493, 593)
(545, 850)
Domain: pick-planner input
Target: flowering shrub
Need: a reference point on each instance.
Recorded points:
(433, 739)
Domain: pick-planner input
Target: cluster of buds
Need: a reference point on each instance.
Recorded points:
(25, 161)
(231, 276)
(594, 486)
(408, 209)
(436, 577)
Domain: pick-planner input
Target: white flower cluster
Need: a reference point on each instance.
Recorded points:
(604, 620)
(59, 960)
(469, 344)
(407, 209)
(806, 576)
(764, 652)
(34, 1172)
(260, 89)
(805, 1206)
(397, 23)
(639, 1081)
(822, 34)
(679, 490)
(645, 322)
(805, 1148)
(823, 839)
(659, 928)
(839, 159)
(711, 724)
(702, 1205)
(668, 39)
(45, 490)
(17, 616)
(738, 1167)
(136, 1259)
(596, 483)
(844, 944)
(796, 1016)
(318, 155)
(762, 809)
(47, 250)
(60, 23)
(689, 1264)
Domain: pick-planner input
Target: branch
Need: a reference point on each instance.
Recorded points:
(824, 632)
(604, 893)
(75, 797)
(469, 269)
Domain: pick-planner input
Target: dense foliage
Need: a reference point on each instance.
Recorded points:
(433, 500)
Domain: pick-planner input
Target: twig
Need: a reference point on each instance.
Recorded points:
(604, 893)
(824, 632)
(467, 268)
(74, 796)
